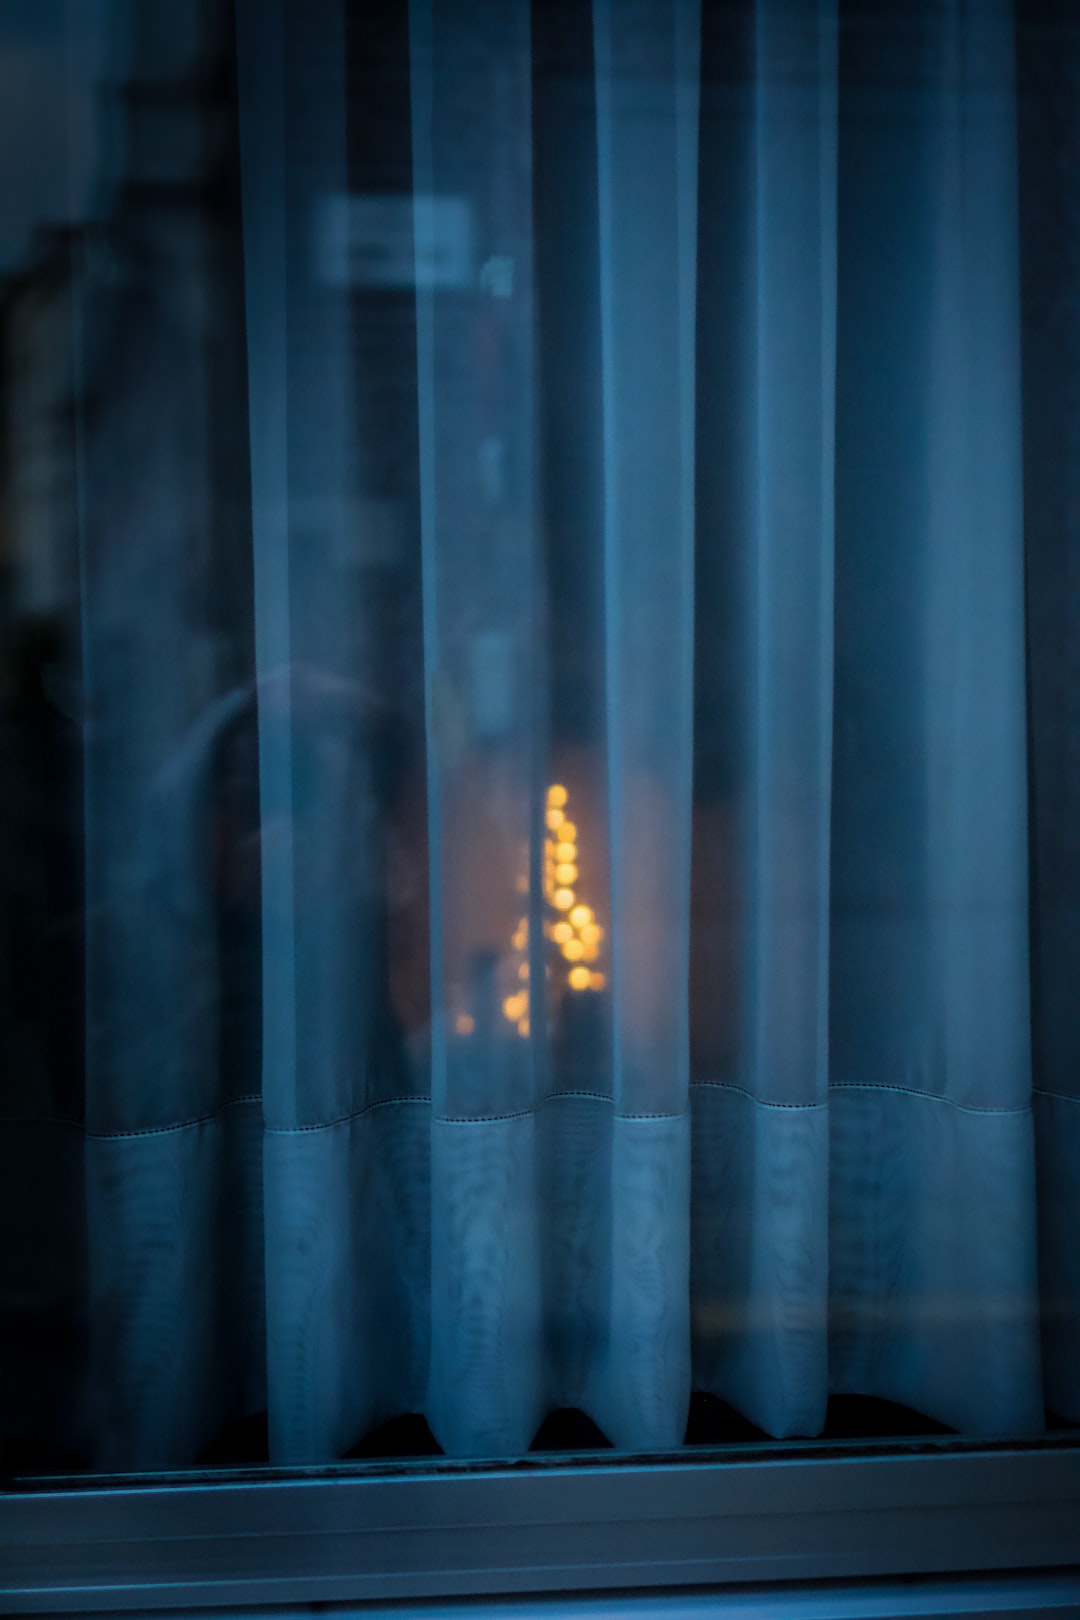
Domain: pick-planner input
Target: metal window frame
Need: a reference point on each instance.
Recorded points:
(421, 1533)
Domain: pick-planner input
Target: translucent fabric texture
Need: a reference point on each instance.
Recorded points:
(588, 939)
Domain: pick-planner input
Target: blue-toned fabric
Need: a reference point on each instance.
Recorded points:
(584, 951)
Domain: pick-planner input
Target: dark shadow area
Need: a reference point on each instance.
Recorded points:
(405, 1436)
(712, 1422)
(1061, 1425)
(569, 1429)
(865, 1417)
(245, 1444)
(29, 1456)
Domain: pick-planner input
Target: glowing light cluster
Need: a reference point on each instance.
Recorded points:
(575, 930)
(516, 1009)
(573, 927)
(570, 924)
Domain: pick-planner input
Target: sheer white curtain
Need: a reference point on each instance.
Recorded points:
(767, 301)
(728, 331)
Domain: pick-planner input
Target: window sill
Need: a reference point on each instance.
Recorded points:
(413, 1532)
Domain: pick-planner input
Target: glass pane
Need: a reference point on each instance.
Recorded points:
(538, 895)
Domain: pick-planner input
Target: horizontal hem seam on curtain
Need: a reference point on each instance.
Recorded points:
(140, 1130)
(557, 1096)
(870, 1086)
(928, 1096)
(343, 1119)
(759, 1102)
(347, 1119)
(553, 1097)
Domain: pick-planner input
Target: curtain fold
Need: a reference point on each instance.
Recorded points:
(646, 142)
(760, 1114)
(470, 111)
(581, 953)
(930, 1022)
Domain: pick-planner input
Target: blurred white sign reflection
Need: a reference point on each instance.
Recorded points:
(382, 240)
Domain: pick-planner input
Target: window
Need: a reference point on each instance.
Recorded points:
(539, 899)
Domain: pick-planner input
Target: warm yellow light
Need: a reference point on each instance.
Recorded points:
(464, 1024)
(566, 852)
(567, 830)
(555, 818)
(557, 795)
(523, 971)
(563, 899)
(591, 933)
(581, 915)
(519, 940)
(561, 932)
(523, 1026)
(579, 978)
(566, 873)
(597, 981)
(573, 950)
(590, 952)
(516, 1007)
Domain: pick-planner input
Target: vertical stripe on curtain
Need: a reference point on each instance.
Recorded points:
(344, 1155)
(647, 158)
(932, 1238)
(471, 118)
(172, 1142)
(767, 304)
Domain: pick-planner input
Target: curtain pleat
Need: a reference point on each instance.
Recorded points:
(930, 1061)
(760, 1296)
(471, 116)
(647, 140)
(173, 1320)
(335, 1147)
